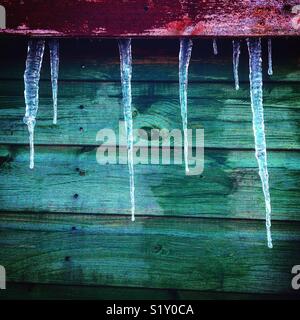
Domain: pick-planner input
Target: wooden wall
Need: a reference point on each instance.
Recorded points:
(65, 229)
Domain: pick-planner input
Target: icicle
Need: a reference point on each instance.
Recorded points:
(185, 52)
(215, 47)
(256, 92)
(270, 64)
(54, 63)
(31, 79)
(236, 45)
(126, 73)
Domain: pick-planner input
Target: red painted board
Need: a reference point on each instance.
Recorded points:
(151, 18)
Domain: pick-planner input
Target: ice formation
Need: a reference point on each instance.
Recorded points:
(236, 46)
(270, 63)
(34, 60)
(126, 74)
(185, 52)
(54, 63)
(256, 93)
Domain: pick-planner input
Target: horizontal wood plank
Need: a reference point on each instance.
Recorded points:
(195, 254)
(69, 179)
(34, 291)
(152, 61)
(164, 18)
(85, 108)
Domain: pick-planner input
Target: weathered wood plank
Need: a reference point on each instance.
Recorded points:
(85, 108)
(152, 61)
(69, 179)
(31, 291)
(196, 254)
(164, 18)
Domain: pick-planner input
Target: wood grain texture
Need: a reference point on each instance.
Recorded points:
(195, 254)
(195, 237)
(32, 291)
(151, 18)
(85, 108)
(90, 93)
(70, 180)
(153, 60)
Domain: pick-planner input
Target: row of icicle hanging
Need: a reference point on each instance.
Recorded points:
(32, 76)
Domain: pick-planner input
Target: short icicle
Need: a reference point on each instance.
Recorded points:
(185, 52)
(256, 93)
(31, 79)
(270, 63)
(215, 47)
(54, 64)
(126, 74)
(236, 49)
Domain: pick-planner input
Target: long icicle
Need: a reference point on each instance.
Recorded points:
(256, 93)
(215, 47)
(54, 64)
(34, 61)
(236, 51)
(270, 63)
(126, 74)
(185, 53)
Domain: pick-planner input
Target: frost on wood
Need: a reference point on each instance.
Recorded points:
(126, 74)
(270, 63)
(31, 79)
(185, 52)
(54, 64)
(256, 93)
(236, 48)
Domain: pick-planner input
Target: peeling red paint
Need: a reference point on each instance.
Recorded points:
(179, 26)
(198, 29)
(152, 18)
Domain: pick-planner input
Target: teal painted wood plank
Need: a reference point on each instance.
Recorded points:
(195, 254)
(31, 291)
(153, 61)
(85, 108)
(69, 179)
